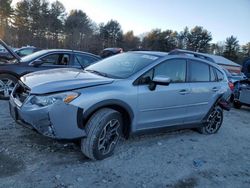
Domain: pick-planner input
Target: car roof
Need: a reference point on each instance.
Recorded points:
(68, 51)
(166, 54)
(155, 53)
(209, 57)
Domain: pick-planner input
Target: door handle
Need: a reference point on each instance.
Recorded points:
(183, 91)
(214, 89)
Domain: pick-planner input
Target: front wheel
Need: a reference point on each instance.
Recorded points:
(7, 83)
(103, 130)
(214, 122)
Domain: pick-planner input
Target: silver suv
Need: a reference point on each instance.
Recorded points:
(125, 94)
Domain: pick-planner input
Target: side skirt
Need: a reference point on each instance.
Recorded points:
(168, 128)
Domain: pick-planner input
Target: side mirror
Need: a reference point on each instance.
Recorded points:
(37, 63)
(159, 80)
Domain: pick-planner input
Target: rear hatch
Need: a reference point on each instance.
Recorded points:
(7, 53)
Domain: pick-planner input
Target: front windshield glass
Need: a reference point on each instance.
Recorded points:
(33, 56)
(122, 65)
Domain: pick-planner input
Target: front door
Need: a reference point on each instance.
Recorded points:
(166, 105)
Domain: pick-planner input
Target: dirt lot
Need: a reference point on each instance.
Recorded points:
(177, 159)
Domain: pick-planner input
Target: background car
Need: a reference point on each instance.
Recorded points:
(5, 55)
(107, 52)
(26, 50)
(246, 67)
(11, 71)
(242, 93)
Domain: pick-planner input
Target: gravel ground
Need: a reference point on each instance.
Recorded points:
(175, 159)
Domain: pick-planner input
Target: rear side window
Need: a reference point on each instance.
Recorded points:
(220, 75)
(84, 60)
(174, 69)
(198, 72)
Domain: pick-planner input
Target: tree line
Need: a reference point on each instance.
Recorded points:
(47, 25)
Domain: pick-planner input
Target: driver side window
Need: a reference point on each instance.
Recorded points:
(174, 69)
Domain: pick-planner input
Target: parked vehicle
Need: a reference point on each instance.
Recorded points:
(125, 94)
(107, 52)
(246, 67)
(242, 93)
(6, 56)
(26, 50)
(233, 78)
(11, 71)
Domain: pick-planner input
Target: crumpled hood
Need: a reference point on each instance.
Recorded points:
(62, 79)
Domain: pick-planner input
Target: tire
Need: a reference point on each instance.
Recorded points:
(104, 129)
(7, 83)
(237, 104)
(214, 122)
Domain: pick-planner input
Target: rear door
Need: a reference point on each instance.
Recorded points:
(166, 105)
(204, 88)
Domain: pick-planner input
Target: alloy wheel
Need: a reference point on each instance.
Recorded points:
(214, 121)
(6, 87)
(109, 136)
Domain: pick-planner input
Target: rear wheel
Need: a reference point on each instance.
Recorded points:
(214, 122)
(104, 130)
(7, 83)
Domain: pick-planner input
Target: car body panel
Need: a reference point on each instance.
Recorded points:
(201, 98)
(157, 108)
(57, 80)
(46, 120)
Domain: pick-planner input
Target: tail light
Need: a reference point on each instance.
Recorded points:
(231, 85)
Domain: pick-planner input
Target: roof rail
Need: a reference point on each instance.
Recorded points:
(194, 54)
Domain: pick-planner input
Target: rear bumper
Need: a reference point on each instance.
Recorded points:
(59, 120)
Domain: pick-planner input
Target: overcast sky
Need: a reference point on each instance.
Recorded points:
(222, 18)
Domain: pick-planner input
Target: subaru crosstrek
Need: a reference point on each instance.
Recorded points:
(125, 94)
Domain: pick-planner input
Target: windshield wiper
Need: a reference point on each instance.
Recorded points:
(103, 74)
(98, 73)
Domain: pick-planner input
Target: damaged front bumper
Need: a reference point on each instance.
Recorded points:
(58, 120)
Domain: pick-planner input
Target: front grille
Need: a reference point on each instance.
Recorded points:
(21, 92)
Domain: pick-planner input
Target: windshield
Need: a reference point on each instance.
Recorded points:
(33, 56)
(122, 65)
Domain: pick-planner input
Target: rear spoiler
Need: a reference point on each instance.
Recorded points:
(10, 50)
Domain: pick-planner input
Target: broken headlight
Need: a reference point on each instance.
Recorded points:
(46, 100)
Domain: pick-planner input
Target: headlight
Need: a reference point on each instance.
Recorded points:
(47, 100)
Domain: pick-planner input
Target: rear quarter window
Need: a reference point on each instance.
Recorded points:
(212, 74)
(220, 75)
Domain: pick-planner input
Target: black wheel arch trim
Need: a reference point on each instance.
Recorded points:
(10, 73)
(216, 103)
(106, 103)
